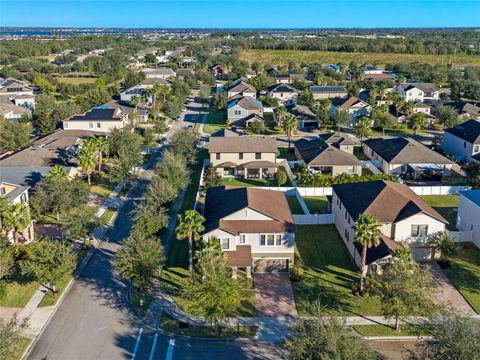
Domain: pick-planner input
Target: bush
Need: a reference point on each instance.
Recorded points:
(304, 178)
(281, 177)
(296, 273)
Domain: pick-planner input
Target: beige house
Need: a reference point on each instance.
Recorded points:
(160, 73)
(98, 119)
(285, 94)
(328, 92)
(16, 194)
(319, 157)
(403, 216)
(241, 88)
(241, 156)
(343, 142)
(407, 158)
(254, 226)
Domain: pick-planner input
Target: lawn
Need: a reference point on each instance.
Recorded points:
(216, 120)
(21, 346)
(316, 204)
(107, 215)
(173, 326)
(101, 186)
(272, 127)
(295, 207)
(358, 152)
(384, 330)
(177, 254)
(19, 290)
(366, 172)
(248, 182)
(284, 57)
(464, 272)
(329, 273)
(141, 300)
(174, 280)
(76, 81)
(454, 179)
(446, 205)
(286, 153)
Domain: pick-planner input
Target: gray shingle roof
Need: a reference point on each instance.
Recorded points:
(468, 131)
(316, 152)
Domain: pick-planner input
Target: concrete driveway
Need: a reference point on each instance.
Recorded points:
(447, 293)
(274, 295)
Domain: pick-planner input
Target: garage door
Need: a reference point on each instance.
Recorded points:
(423, 253)
(270, 265)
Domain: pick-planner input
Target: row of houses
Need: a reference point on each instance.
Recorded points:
(16, 99)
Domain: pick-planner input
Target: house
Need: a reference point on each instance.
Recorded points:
(16, 194)
(141, 113)
(216, 70)
(468, 216)
(343, 142)
(137, 91)
(463, 141)
(241, 88)
(16, 92)
(184, 73)
(100, 119)
(239, 109)
(10, 111)
(160, 73)
(247, 157)
(404, 218)
(354, 106)
(333, 67)
(369, 69)
(284, 93)
(378, 77)
(319, 157)
(254, 226)
(423, 108)
(29, 166)
(406, 157)
(466, 110)
(328, 92)
(419, 91)
(306, 118)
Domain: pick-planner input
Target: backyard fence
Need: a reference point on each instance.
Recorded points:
(313, 219)
(461, 236)
(368, 164)
(438, 190)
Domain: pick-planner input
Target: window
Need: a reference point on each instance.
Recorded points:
(217, 156)
(262, 239)
(270, 239)
(464, 144)
(238, 112)
(242, 239)
(90, 125)
(240, 156)
(225, 243)
(419, 230)
(99, 125)
(351, 170)
(258, 156)
(278, 239)
(476, 148)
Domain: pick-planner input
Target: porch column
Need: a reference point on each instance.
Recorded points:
(249, 271)
(260, 171)
(245, 172)
(234, 272)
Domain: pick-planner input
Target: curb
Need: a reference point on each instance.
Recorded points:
(397, 338)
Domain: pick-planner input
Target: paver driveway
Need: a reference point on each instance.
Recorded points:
(274, 295)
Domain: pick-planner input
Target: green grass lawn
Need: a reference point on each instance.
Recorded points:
(316, 204)
(464, 272)
(288, 154)
(454, 179)
(107, 215)
(329, 273)
(76, 81)
(173, 326)
(366, 172)
(141, 299)
(295, 207)
(101, 186)
(446, 205)
(384, 330)
(20, 347)
(358, 152)
(216, 120)
(174, 281)
(19, 290)
(248, 182)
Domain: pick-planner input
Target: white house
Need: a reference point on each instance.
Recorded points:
(419, 91)
(463, 141)
(10, 111)
(468, 216)
(99, 119)
(255, 227)
(160, 73)
(354, 106)
(403, 216)
(407, 158)
(285, 94)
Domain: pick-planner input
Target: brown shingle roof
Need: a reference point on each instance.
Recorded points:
(351, 101)
(242, 87)
(242, 144)
(388, 201)
(241, 257)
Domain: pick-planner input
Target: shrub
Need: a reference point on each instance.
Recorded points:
(281, 177)
(296, 273)
(304, 178)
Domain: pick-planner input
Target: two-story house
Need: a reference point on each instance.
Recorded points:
(254, 226)
(463, 141)
(241, 88)
(241, 109)
(328, 92)
(98, 119)
(403, 216)
(407, 158)
(17, 93)
(306, 118)
(16, 194)
(241, 156)
(285, 94)
(319, 157)
(353, 106)
(419, 91)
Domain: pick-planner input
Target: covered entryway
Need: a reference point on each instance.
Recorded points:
(274, 295)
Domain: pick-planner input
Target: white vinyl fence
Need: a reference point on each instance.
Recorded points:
(313, 219)
(461, 236)
(438, 190)
(368, 164)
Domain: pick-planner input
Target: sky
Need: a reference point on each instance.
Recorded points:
(240, 14)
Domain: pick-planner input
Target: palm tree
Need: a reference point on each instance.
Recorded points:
(408, 107)
(146, 95)
(135, 100)
(281, 113)
(57, 171)
(102, 145)
(189, 227)
(87, 158)
(15, 217)
(367, 233)
(289, 125)
(418, 122)
(362, 129)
